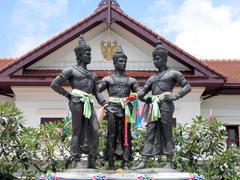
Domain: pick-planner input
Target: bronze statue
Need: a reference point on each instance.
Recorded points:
(119, 87)
(85, 125)
(159, 138)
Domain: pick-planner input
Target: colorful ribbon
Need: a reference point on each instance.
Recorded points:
(130, 116)
(87, 99)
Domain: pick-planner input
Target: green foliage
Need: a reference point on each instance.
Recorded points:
(31, 151)
(201, 148)
(223, 166)
(102, 140)
(12, 155)
(47, 148)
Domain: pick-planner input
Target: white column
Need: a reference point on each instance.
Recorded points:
(189, 106)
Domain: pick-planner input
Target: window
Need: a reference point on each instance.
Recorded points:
(233, 135)
(47, 119)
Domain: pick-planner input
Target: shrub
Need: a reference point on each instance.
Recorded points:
(12, 154)
(47, 147)
(201, 148)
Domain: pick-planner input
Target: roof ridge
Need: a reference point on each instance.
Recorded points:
(8, 58)
(220, 60)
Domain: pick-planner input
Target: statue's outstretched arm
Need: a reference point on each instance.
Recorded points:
(56, 84)
(135, 85)
(142, 91)
(102, 85)
(186, 88)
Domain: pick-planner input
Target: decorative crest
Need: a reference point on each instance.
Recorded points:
(108, 49)
(158, 43)
(119, 53)
(105, 2)
(159, 48)
(119, 50)
(82, 46)
(82, 41)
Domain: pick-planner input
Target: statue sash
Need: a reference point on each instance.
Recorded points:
(87, 99)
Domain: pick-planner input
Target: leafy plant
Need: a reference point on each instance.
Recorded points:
(200, 147)
(47, 148)
(12, 154)
(223, 166)
(199, 142)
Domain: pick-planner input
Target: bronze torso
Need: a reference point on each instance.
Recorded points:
(82, 79)
(163, 82)
(118, 86)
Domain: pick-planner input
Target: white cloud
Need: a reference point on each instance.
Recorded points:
(32, 19)
(202, 29)
(25, 43)
(164, 5)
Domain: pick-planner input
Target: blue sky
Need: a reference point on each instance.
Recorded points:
(204, 28)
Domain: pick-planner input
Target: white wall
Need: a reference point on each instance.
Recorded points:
(189, 106)
(37, 102)
(6, 98)
(224, 107)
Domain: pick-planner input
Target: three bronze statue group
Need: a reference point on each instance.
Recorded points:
(159, 138)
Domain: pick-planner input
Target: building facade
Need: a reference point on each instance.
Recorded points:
(25, 81)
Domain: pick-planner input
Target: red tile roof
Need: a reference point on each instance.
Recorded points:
(5, 62)
(228, 68)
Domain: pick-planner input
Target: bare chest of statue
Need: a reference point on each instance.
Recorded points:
(119, 86)
(82, 79)
(163, 83)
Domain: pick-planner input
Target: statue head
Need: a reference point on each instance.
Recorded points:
(83, 51)
(159, 54)
(119, 59)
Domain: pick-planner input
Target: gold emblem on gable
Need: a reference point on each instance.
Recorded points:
(108, 49)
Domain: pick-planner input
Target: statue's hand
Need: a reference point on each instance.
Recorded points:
(147, 99)
(105, 106)
(172, 97)
(140, 93)
(68, 96)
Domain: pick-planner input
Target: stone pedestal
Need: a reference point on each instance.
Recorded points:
(154, 173)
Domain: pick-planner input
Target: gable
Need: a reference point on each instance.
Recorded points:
(139, 52)
(137, 40)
